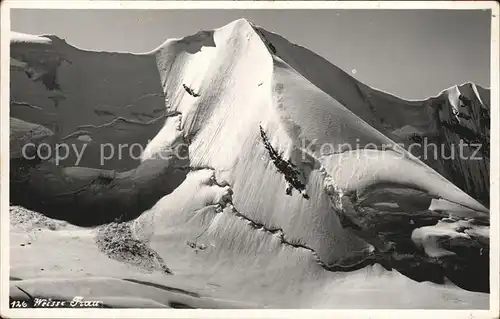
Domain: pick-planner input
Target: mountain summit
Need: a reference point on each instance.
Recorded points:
(266, 168)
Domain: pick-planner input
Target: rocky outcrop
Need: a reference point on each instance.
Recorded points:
(287, 168)
(463, 117)
(118, 242)
(420, 243)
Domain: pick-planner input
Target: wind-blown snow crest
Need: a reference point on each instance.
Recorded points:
(18, 37)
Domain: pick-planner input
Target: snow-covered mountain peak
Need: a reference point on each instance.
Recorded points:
(263, 149)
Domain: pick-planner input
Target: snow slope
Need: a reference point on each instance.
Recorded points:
(297, 178)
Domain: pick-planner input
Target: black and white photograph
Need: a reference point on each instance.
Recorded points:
(249, 157)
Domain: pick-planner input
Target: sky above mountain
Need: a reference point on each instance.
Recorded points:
(412, 53)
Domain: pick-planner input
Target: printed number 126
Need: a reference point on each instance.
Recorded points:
(18, 304)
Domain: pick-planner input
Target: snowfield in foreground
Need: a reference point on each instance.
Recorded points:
(269, 178)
